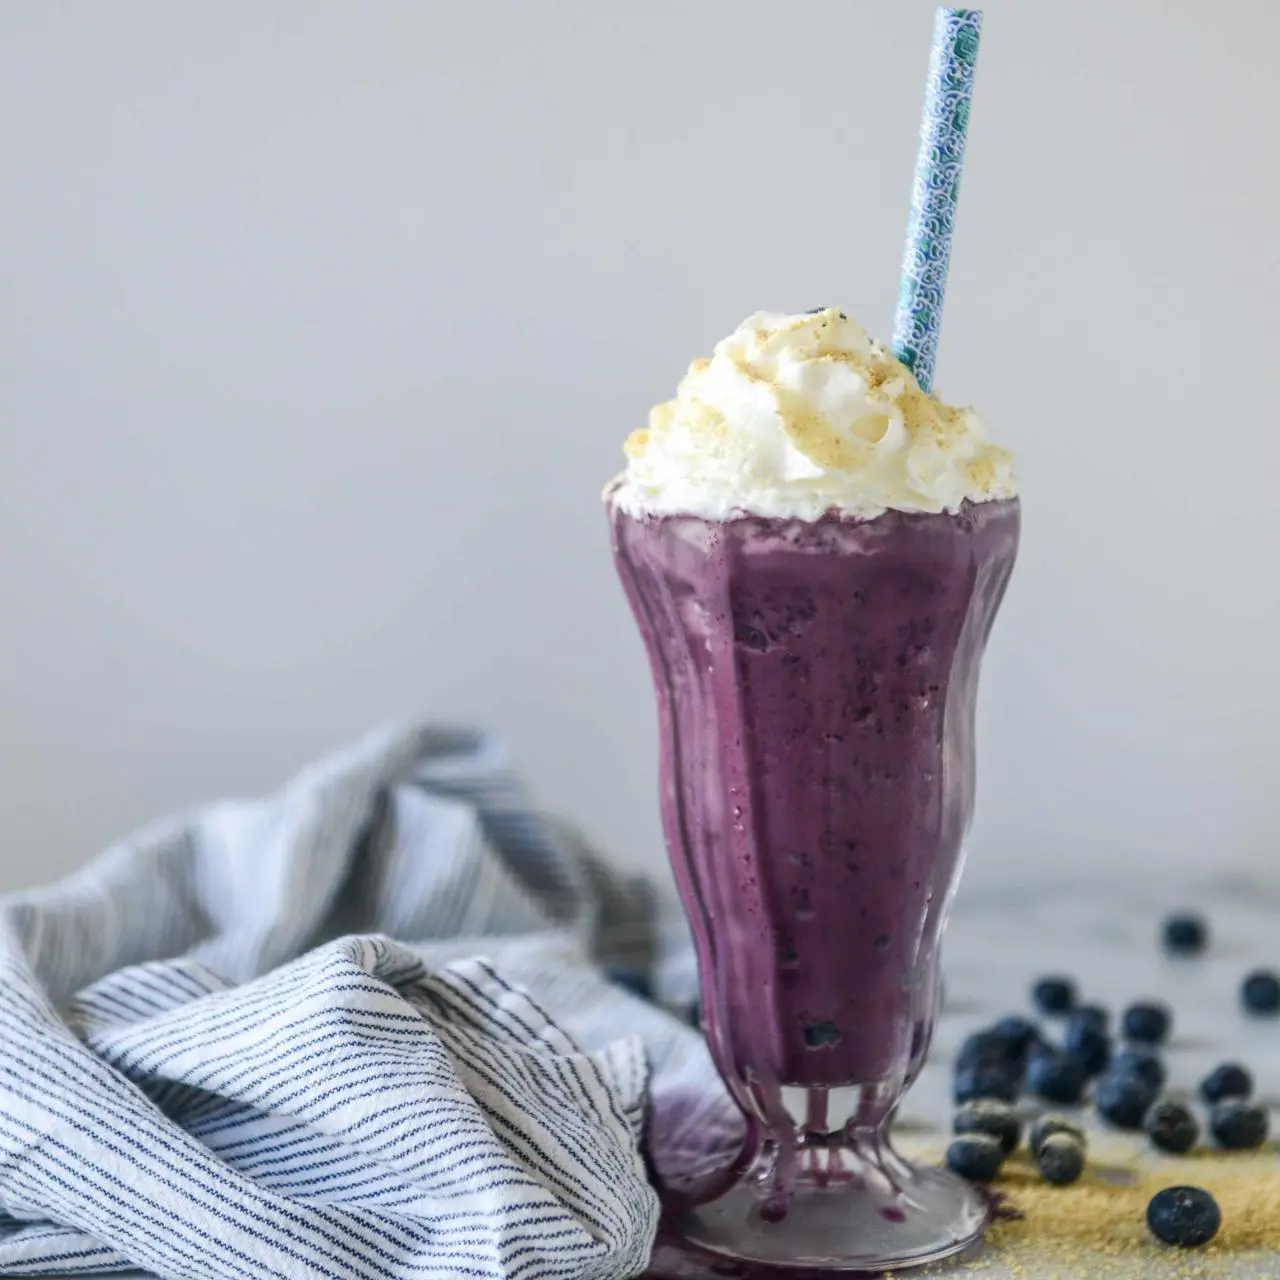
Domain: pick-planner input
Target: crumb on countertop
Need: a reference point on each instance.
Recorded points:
(1097, 1227)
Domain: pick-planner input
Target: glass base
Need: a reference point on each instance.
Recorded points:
(874, 1218)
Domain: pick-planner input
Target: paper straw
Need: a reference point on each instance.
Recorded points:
(936, 189)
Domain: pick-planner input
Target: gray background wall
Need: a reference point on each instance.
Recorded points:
(321, 326)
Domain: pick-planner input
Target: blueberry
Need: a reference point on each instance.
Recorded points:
(1238, 1125)
(1017, 1033)
(1230, 1080)
(1049, 1124)
(1041, 1049)
(1123, 1100)
(1184, 934)
(989, 1116)
(976, 1156)
(986, 1080)
(751, 636)
(981, 1047)
(1091, 1047)
(1146, 1022)
(994, 1046)
(1138, 1060)
(1171, 1127)
(1093, 1015)
(1185, 1216)
(818, 1035)
(1260, 993)
(1060, 1159)
(633, 980)
(1055, 995)
(1057, 1077)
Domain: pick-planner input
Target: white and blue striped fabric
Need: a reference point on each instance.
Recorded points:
(357, 1029)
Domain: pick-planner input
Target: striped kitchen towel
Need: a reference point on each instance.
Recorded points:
(357, 1029)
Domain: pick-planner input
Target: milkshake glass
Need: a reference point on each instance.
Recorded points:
(814, 551)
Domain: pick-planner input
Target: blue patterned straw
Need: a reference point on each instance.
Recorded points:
(936, 189)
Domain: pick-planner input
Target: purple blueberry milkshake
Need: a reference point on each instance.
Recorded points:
(815, 551)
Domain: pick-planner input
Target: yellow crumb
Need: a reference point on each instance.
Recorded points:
(981, 471)
(661, 416)
(814, 436)
(1097, 1227)
(636, 443)
(704, 419)
(920, 413)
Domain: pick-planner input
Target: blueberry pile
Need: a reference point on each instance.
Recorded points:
(1070, 1055)
(989, 1130)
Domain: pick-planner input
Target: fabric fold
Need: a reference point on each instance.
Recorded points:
(354, 1029)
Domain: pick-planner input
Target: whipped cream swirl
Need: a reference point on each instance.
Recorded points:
(794, 416)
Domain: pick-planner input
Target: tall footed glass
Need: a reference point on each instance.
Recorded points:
(816, 683)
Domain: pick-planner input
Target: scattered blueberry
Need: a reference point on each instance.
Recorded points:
(1230, 1080)
(982, 1047)
(1238, 1125)
(1007, 1047)
(1092, 1014)
(1146, 1022)
(1185, 1216)
(1049, 1124)
(1054, 996)
(1123, 1100)
(989, 1116)
(1260, 993)
(1017, 1033)
(986, 1080)
(1057, 1077)
(1184, 934)
(1090, 1046)
(976, 1156)
(1140, 1061)
(1041, 1048)
(1060, 1159)
(1171, 1127)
